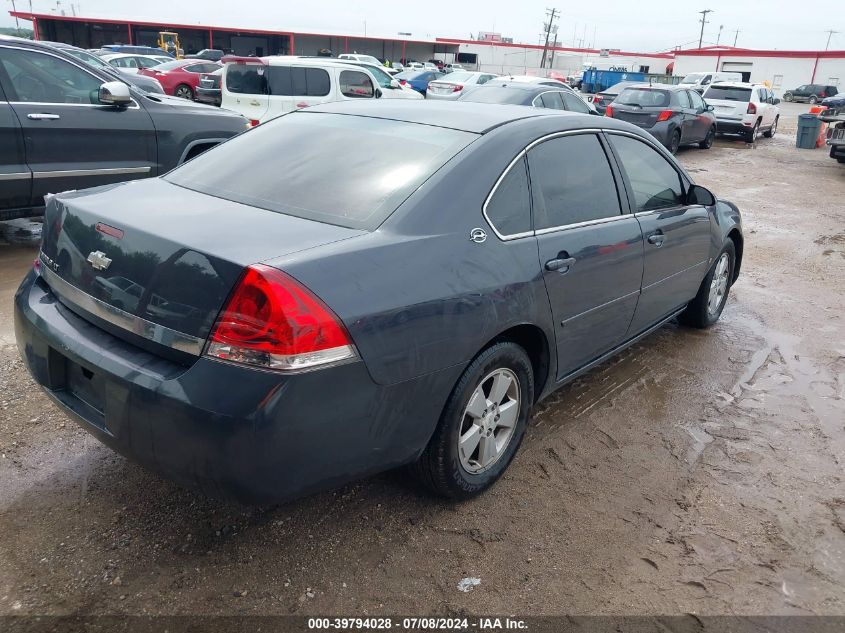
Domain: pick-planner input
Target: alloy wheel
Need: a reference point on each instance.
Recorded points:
(718, 285)
(489, 421)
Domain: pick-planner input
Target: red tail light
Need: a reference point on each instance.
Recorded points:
(609, 111)
(457, 87)
(752, 109)
(274, 322)
(665, 115)
(253, 122)
(403, 82)
(822, 94)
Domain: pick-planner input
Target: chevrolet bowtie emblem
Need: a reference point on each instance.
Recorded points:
(99, 260)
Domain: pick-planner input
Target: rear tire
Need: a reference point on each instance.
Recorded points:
(675, 142)
(753, 133)
(184, 91)
(452, 465)
(706, 308)
(787, 96)
(707, 143)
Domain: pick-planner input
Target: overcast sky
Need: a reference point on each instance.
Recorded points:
(641, 25)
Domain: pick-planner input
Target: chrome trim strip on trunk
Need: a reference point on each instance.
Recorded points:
(124, 320)
(70, 173)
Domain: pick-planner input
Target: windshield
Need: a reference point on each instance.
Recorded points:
(497, 94)
(279, 167)
(381, 76)
(643, 97)
(727, 93)
(693, 78)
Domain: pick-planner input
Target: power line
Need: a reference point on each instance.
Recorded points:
(703, 22)
(830, 34)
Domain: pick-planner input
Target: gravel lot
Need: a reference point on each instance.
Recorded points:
(698, 472)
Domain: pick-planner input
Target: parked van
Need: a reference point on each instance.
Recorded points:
(700, 81)
(262, 88)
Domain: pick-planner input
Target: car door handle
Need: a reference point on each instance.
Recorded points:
(561, 265)
(43, 116)
(657, 239)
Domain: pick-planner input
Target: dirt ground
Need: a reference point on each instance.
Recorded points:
(699, 472)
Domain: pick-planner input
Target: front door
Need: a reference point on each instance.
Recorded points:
(71, 140)
(15, 176)
(676, 235)
(591, 253)
(703, 121)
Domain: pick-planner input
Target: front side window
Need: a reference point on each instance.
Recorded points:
(696, 100)
(195, 68)
(572, 182)
(509, 209)
(331, 181)
(40, 78)
(654, 182)
(356, 85)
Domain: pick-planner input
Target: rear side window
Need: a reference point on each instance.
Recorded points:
(310, 165)
(356, 85)
(728, 93)
(683, 99)
(550, 100)
(574, 103)
(509, 209)
(310, 82)
(655, 183)
(572, 182)
(246, 79)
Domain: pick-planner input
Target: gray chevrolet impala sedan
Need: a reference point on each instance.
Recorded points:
(355, 287)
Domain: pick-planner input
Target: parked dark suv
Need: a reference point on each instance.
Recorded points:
(811, 93)
(67, 125)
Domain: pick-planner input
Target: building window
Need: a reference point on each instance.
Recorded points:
(777, 81)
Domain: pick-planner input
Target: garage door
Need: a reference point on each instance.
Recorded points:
(738, 67)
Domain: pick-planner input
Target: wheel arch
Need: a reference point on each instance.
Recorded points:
(736, 237)
(534, 341)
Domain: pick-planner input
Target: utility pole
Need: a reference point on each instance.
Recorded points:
(830, 34)
(719, 36)
(736, 35)
(552, 13)
(17, 23)
(703, 22)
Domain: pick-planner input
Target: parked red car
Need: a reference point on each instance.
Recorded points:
(181, 77)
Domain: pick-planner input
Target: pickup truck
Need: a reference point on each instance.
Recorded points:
(835, 119)
(67, 125)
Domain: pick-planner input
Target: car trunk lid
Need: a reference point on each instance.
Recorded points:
(155, 260)
(642, 117)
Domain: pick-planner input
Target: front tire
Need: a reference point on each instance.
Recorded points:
(787, 96)
(482, 424)
(773, 130)
(813, 99)
(707, 143)
(706, 308)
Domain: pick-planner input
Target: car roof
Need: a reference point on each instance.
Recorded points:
(736, 84)
(528, 88)
(468, 117)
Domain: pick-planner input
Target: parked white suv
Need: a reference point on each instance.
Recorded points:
(743, 108)
(262, 88)
(356, 57)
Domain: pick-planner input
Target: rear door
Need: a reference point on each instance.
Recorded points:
(687, 116)
(244, 89)
(15, 175)
(71, 140)
(306, 85)
(676, 235)
(591, 253)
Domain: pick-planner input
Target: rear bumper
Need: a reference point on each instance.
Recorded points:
(733, 126)
(452, 96)
(228, 431)
(208, 95)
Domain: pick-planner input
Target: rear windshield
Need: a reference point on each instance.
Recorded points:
(313, 165)
(459, 75)
(728, 94)
(643, 97)
(497, 94)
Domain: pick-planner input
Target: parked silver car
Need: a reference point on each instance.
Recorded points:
(451, 86)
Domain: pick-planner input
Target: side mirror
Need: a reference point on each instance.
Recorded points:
(394, 84)
(114, 93)
(378, 93)
(710, 108)
(699, 195)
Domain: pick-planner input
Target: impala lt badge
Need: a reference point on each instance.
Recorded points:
(99, 260)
